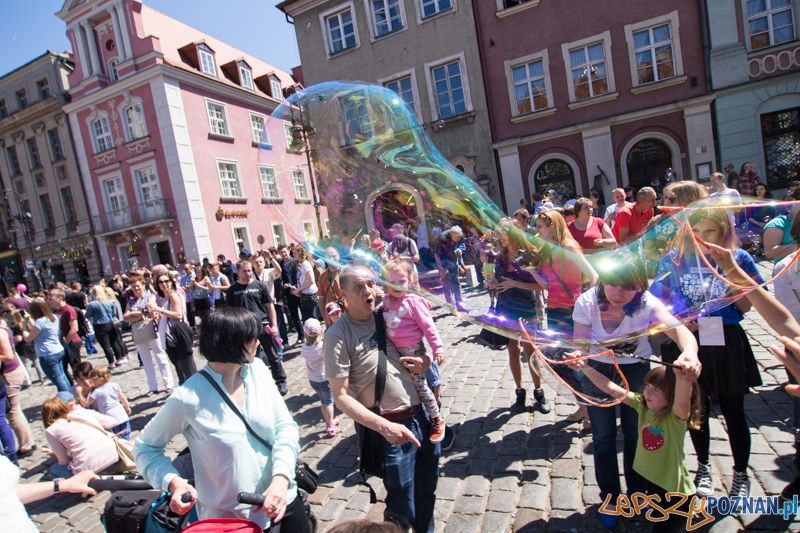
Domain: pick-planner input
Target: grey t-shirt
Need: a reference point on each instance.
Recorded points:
(350, 349)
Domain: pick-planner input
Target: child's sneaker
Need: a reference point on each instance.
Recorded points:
(437, 430)
(332, 429)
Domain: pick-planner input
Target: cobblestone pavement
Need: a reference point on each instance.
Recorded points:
(508, 470)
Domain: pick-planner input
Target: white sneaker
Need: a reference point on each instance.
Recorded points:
(740, 487)
(703, 481)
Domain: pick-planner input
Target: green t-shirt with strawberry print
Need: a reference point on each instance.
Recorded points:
(659, 450)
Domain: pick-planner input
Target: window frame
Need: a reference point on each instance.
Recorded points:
(225, 120)
(287, 132)
(245, 74)
(373, 27)
(137, 185)
(274, 177)
(769, 12)
(263, 139)
(246, 227)
(3, 108)
(48, 222)
(45, 86)
(142, 123)
(14, 165)
(398, 76)
(34, 156)
(113, 73)
(677, 57)
(53, 146)
(297, 197)
(432, 100)
(70, 209)
(566, 48)
(511, 64)
(336, 11)
(212, 69)
(313, 234)
(107, 198)
(281, 238)
(420, 13)
(22, 99)
(235, 163)
(96, 139)
(272, 83)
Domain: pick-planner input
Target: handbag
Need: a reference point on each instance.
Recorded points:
(372, 461)
(144, 331)
(304, 475)
(308, 301)
(124, 447)
(493, 339)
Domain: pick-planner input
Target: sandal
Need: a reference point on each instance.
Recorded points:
(332, 430)
(580, 414)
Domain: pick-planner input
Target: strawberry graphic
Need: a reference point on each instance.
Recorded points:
(652, 438)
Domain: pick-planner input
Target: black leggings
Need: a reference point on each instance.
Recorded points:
(184, 364)
(294, 519)
(675, 522)
(107, 337)
(732, 407)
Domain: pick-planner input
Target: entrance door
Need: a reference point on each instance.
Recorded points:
(163, 252)
(81, 272)
(647, 159)
(557, 175)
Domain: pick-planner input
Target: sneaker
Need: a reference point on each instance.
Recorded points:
(437, 430)
(609, 520)
(740, 488)
(791, 490)
(541, 401)
(283, 389)
(520, 398)
(122, 361)
(449, 439)
(112, 366)
(703, 481)
(332, 430)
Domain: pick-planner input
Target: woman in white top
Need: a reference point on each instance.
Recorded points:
(170, 312)
(306, 287)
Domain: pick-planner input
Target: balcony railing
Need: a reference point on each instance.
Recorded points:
(134, 215)
(50, 233)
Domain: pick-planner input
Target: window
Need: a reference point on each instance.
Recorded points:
(207, 63)
(771, 22)
(39, 180)
(148, 184)
(432, 7)
(22, 99)
(780, 132)
(240, 237)
(275, 87)
(449, 90)
(588, 67)
(386, 16)
(653, 49)
(258, 123)
(112, 69)
(61, 173)
(229, 179)
(299, 180)
(13, 161)
(308, 231)
(56, 150)
(357, 121)
(134, 122)
(217, 118)
(246, 77)
(19, 186)
(287, 131)
(115, 195)
(47, 211)
(102, 135)
(405, 89)
(278, 234)
(405, 85)
(530, 90)
(33, 153)
(44, 89)
(3, 108)
(269, 185)
(26, 208)
(69, 205)
(341, 31)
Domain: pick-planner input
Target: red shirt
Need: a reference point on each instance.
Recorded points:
(66, 315)
(748, 182)
(585, 238)
(629, 217)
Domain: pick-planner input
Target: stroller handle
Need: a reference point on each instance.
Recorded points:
(250, 498)
(119, 484)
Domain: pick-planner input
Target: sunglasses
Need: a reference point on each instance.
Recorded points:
(163, 281)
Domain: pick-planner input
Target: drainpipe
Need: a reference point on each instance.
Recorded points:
(487, 95)
(705, 35)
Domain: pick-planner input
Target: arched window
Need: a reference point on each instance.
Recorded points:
(555, 174)
(102, 135)
(134, 121)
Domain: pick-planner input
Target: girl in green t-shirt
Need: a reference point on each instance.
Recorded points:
(666, 406)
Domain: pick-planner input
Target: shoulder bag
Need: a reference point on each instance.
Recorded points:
(179, 335)
(124, 451)
(145, 330)
(304, 476)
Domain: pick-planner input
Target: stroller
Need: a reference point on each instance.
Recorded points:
(136, 507)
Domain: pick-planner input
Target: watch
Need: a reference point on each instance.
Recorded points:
(56, 481)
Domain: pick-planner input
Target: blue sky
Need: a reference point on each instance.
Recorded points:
(30, 27)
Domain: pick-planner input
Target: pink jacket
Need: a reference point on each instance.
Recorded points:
(408, 319)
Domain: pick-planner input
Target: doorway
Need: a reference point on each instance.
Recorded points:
(647, 159)
(163, 252)
(81, 272)
(391, 207)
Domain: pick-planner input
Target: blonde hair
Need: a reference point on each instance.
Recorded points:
(99, 293)
(398, 265)
(101, 374)
(686, 192)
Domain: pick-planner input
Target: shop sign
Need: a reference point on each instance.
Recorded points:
(222, 214)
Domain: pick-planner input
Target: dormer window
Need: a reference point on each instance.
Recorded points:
(207, 64)
(246, 77)
(275, 87)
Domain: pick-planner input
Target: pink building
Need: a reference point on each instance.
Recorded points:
(170, 127)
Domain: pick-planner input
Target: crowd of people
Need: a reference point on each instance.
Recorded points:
(364, 330)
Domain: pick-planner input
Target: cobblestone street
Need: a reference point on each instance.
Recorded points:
(508, 470)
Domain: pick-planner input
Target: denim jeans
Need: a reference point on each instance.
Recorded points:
(796, 424)
(9, 445)
(411, 475)
(604, 431)
(451, 287)
(62, 471)
(54, 370)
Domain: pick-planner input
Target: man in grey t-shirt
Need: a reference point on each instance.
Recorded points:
(351, 362)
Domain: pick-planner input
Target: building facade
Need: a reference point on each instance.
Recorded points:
(424, 50)
(755, 71)
(605, 99)
(179, 158)
(45, 212)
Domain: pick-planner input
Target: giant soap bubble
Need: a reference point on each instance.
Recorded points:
(374, 166)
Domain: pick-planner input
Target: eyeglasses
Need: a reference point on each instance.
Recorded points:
(163, 281)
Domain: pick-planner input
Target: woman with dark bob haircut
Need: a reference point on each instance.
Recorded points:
(227, 459)
(616, 315)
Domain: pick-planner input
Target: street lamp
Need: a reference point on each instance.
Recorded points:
(301, 143)
(24, 218)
